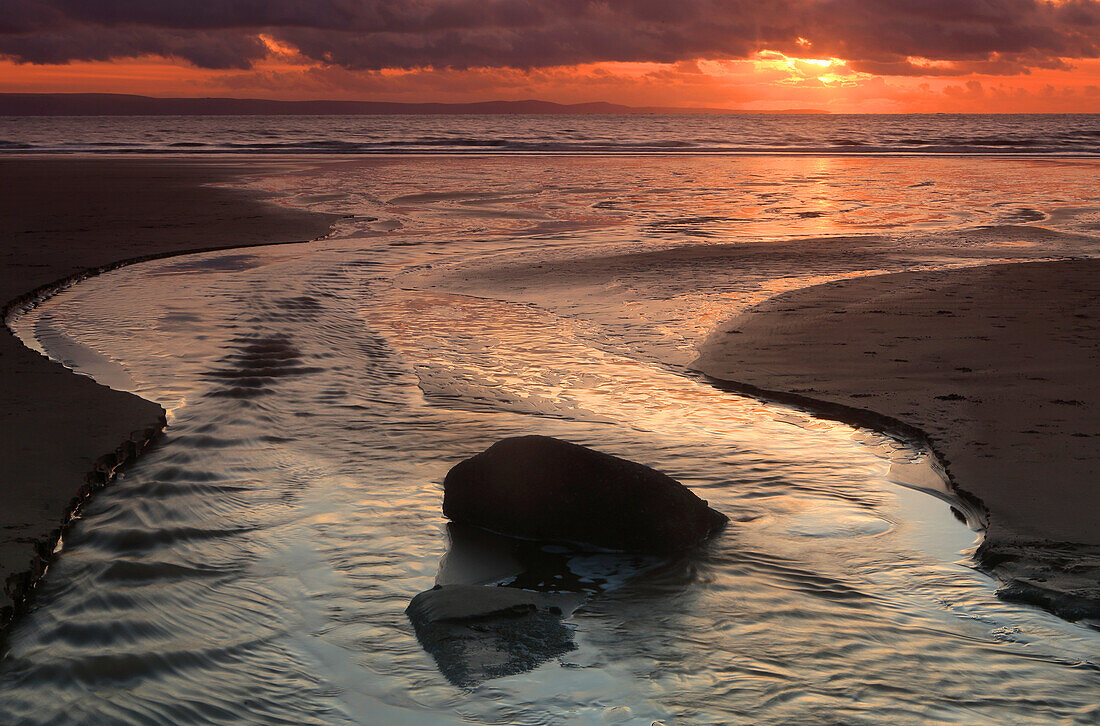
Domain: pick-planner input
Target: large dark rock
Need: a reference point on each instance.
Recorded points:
(542, 488)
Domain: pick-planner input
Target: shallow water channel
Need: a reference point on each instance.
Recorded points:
(256, 564)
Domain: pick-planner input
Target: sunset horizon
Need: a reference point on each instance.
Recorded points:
(1044, 92)
(430, 106)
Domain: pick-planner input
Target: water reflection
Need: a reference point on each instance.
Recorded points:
(258, 564)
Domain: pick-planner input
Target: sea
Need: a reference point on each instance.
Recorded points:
(494, 276)
(891, 134)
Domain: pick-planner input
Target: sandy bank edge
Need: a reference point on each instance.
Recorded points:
(1055, 573)
(20, 585)
(976, 512)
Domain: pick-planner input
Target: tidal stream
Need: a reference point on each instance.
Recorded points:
(254, 567)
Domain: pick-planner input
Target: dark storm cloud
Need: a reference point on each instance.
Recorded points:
(957, 30)
(209, 49)
(992, 36)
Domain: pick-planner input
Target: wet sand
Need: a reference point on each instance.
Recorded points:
(997, 365)
(994, 364)
(62, 217)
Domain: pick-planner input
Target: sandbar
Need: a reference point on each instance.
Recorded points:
(996, 364)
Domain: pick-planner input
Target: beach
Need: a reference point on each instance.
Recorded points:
(260, 556)
(638, 363)
(61, 218)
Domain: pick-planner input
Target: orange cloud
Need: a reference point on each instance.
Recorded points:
(769, 80)
(836, 55)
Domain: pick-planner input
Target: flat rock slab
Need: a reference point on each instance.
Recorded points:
(470, 602)
(541, 488)
(476, 632)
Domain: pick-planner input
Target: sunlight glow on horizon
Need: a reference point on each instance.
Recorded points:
(769, 80)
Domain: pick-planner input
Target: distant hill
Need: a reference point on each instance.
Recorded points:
(119, 104)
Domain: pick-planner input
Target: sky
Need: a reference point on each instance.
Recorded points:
(844, 56)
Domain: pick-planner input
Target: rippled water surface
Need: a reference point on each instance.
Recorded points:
(986, 134)
(255, 566)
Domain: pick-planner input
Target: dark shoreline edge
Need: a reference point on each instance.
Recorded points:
(988, 556)
(865, 419)
(20, 585)
(1013, 562)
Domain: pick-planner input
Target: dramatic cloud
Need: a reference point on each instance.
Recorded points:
(884, 37)
(207, 49)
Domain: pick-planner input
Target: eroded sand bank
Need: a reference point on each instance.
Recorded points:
(996, 364)
(60, 218)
